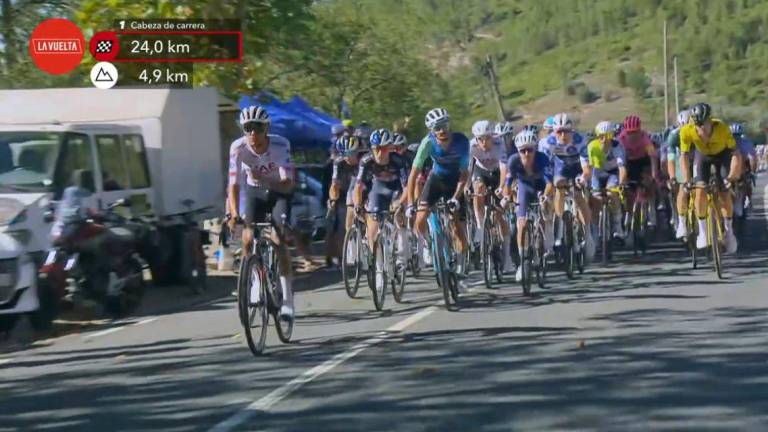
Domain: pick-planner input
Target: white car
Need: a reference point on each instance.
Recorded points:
(19, 291)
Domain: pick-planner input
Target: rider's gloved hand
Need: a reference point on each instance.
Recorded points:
(410, 211)
(580, 181)
(498, 192)
(453, 204)
(504, 201)
(687, 186)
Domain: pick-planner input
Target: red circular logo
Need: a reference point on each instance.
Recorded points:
(104, 46)
(57, 46)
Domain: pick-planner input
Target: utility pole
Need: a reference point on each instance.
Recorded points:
(490, 72)
(666, 80)
(677, 90)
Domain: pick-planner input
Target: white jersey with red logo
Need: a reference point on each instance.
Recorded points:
(491, 159)
(260, 170)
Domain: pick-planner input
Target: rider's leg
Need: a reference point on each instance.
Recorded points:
(701, 178)
(478, 202)
(282, 207)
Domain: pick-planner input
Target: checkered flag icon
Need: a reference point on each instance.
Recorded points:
(104, 47)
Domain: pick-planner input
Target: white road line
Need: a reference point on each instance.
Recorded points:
(266, 402)
(102, 333)
(146, 321)
(6, 360)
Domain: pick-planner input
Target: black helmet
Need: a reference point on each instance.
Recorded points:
(700, 113)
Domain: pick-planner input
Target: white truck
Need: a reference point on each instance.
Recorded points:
(161, 148)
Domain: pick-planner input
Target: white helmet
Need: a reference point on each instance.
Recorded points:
(526, 139)
(683, 117)
(482, 128)
(503, 129)
(399, 140)
(435, 116)
(562, 122)
(603, 128)
(254, 113)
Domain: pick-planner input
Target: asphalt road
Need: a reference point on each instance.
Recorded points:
(644, 344)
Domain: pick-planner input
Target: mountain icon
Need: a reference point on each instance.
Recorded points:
(103, 76)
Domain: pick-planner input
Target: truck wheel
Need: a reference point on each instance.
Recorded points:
(42, 318)
(7, 323)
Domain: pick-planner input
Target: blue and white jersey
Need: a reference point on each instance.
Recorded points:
(572, 153)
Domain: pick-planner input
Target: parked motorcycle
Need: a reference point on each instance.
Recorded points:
(96, 257)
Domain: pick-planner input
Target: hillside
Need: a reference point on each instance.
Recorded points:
(540, 47)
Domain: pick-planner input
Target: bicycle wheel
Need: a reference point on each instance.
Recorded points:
(486, 247)
(414, 262)
(605, 233)
(527, 259)
(539, 256)
(635, 228)
(399, 274)
(351, 265)
(284, 327)
(498, 253)
(379, 288)
(580, 239)
(254, 318)
(441, 266)
(567, 246)
(691, 240)
(713, 231)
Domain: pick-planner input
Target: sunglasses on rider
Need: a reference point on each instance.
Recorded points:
(563, 131)
(526, 151)
(441, 127)
(251, 127)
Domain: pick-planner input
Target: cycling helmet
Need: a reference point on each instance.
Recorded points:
(532, 127)
(435, 116)
(348, 144)
(590, 136)
(526, 139)
(347, 123)
(617, 128)
(562, 122)
(683, 117)
(503, 129)
(632, 123)
(657, 138)
(337, 129)
(381, 138)
(253, 114)
(482, 128)
(737, 128)
(604, 128)
(700, 113)
(398, 140)
(548, 124)
(414, 147)
(363, 131)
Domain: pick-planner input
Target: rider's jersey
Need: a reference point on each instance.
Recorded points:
(446, 162)
(542, 169)
(600, 160)
(491, 159)
(394, 173)
(574, 152)
(261, 170)
(745, 146)
(720, 139)
(636, 146)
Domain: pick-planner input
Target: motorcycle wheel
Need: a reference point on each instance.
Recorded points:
(42, 318)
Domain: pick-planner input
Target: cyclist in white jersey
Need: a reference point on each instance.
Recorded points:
(488, 160)
(261, 162)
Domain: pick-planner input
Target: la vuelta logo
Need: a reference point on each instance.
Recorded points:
(57, 46)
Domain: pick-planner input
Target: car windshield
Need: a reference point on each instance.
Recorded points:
(28, 160)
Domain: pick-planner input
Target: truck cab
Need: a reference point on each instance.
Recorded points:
(38, 162)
